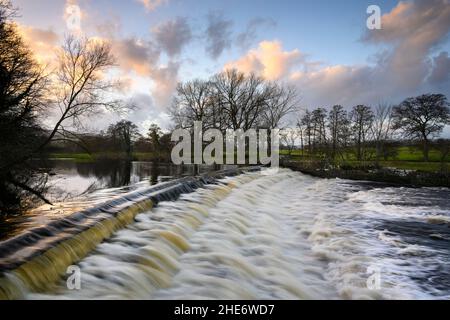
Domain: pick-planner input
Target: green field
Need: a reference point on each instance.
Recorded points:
(406, 158)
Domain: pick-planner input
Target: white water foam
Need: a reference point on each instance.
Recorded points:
(281, 236)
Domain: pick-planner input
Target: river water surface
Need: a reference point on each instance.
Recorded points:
(278, 236)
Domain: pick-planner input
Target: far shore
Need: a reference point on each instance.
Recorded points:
(394, 176)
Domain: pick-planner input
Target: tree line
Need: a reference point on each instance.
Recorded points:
(233, 100)
(368, 131)
(120, 141)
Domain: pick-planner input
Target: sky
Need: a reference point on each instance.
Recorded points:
(323, 48)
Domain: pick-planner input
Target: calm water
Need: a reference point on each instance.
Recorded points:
(71, 179)
(76, 185)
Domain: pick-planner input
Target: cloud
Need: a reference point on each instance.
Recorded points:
(151, 5)
(247, 38)
(173, 35)
(441, 69)
(166, 80)
(268, 60)
(136, 55)
(218, 34)
(143, 115)
(147, 113)
(406, 64)
(143, 57)
(42, 42)
(413, 30)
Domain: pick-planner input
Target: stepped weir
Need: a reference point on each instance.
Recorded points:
(35, 260)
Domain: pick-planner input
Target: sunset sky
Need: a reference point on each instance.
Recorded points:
(321, 47)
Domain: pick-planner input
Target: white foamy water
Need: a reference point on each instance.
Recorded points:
(281, 236)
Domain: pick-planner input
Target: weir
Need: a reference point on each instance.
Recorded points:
(241, 234)
(35, 260)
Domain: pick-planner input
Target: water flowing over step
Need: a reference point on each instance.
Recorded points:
(36, 259)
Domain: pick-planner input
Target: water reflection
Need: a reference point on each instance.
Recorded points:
(70, 178)
(74, 186)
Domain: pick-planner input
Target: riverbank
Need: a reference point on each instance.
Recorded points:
(396, 176)
(90, 157)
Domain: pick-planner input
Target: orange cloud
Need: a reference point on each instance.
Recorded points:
(151, 5)
(268, 60)
(43, 43)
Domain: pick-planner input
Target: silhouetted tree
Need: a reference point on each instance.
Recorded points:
(193, 102)
(306, 123)
(22, 99)
(288, 138)
(241, 98)
(362, 120)
(125, 133)
(338, 125)
(382, 128)
(318, 120)
(422, 118)
(160, 143)
(280, 101)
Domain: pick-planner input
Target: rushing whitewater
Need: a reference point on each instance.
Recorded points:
(279, 236)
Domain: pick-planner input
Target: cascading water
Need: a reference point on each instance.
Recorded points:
(279, 236)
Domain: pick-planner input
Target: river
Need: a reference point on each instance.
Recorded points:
(77, 185)
(284, 235)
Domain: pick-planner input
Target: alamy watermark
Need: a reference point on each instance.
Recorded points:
(374, 20)
(250, 147)
(74, 279)
(72, 17)
(374, 280)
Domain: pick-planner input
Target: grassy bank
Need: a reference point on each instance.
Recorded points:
(405, 158)
(405, 167)
(385, 175)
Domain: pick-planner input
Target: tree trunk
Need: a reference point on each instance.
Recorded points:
(426, 150)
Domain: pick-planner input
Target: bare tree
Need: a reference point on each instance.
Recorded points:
(301, 135)
(306, 123)
(241, 98)
(7, 10)
(338, 124)
(193, 102)
(422, 118)
(280, 102)
(318, 120)
(289, 138)
(382, 128)
(80, 87)
(362, 120)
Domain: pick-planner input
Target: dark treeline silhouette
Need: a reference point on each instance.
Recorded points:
(22, 97)
(374, 133)
(120, 141)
